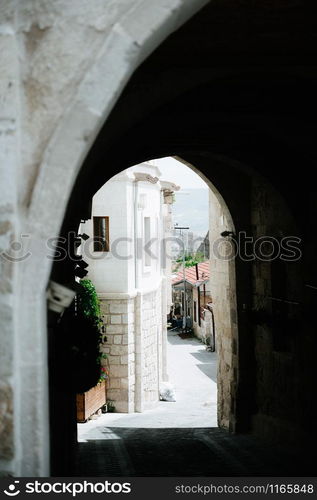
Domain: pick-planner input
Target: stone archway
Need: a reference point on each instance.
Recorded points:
(223, 285)
(132, 35)
(223, 288)
(227, 105)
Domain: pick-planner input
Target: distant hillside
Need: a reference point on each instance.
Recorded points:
(191, 209)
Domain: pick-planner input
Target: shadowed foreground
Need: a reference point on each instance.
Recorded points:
(183, 452)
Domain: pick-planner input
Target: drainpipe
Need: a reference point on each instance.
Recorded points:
(197, 273)
(162, 352)
(184, 278)
(198, 290)
(135, 228)
(138, 305)
(138, 347)
(199, 319)
(213, 333)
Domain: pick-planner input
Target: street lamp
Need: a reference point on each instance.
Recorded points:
(184, 275)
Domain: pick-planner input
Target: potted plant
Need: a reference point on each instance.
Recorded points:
(93, 381)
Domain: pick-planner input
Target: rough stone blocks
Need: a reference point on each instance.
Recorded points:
(6, 421)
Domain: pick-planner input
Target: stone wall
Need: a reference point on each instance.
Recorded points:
(222, 285)
(118, 315)
(9, 230)
(64, 69)
(64, 66)
(277, 285)
(134, 348)
(6, 422)
(152, 344)
(267, 351)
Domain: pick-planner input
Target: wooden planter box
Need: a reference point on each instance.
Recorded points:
(91, 401)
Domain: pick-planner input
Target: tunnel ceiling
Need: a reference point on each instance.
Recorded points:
(236, 82)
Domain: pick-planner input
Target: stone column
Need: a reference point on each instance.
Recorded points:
(118, 315)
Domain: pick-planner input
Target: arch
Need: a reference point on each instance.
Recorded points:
(126, 47)
(130, 41)
(228, 144)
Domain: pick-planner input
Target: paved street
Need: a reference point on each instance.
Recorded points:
(177, 439)
(193, 373)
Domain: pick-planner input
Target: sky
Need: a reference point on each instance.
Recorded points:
(175, 171)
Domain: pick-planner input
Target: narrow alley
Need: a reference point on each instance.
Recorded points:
(177, 438)
(193, 373)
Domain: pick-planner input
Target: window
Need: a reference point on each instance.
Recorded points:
(147, 238)
(101, 234)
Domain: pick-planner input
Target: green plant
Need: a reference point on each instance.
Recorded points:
(88, 303)
(80, 364)
(191, 259)
(89, 335)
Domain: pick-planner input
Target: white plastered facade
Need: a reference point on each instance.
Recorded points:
(131, 279)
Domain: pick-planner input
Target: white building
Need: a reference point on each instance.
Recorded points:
(130, 268)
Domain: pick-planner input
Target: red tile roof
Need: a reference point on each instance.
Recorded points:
(190, 274)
